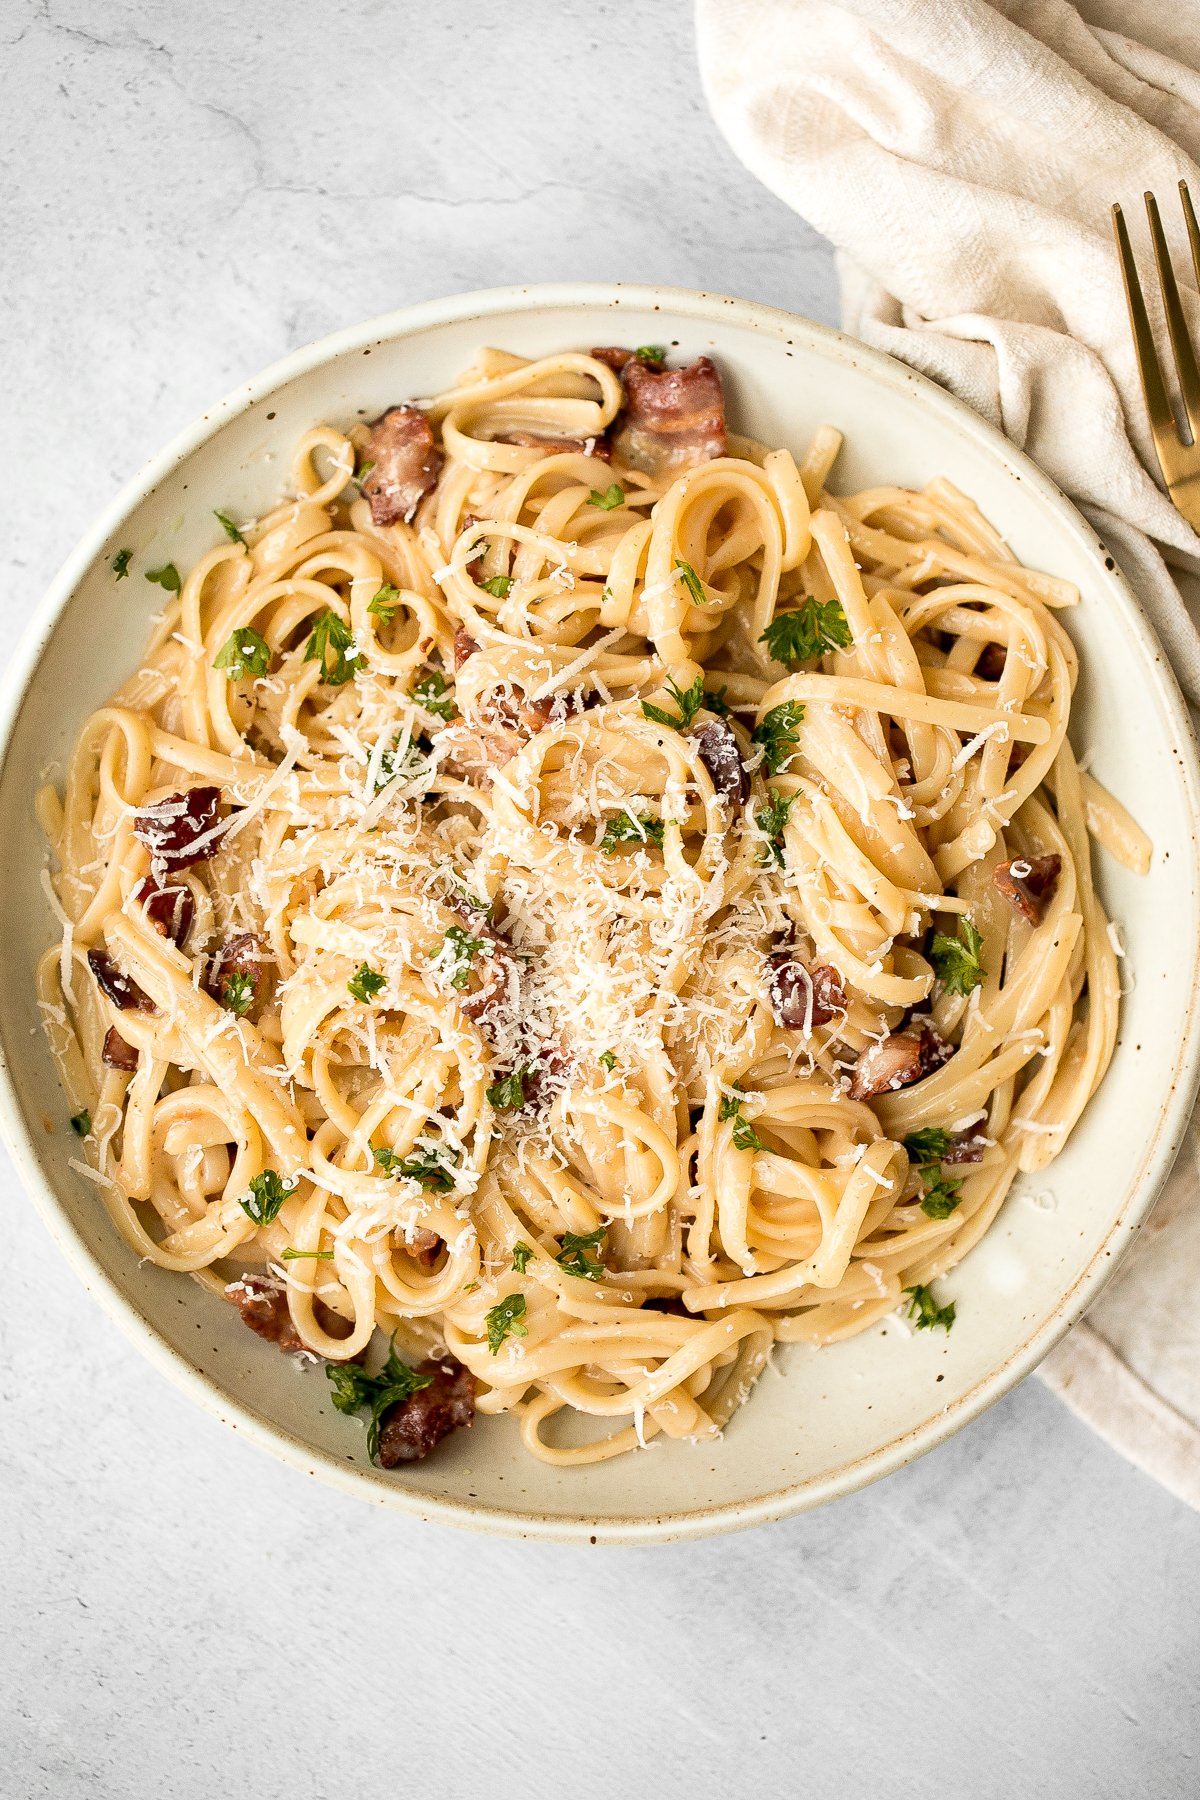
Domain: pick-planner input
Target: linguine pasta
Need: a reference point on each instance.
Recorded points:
(634, 909)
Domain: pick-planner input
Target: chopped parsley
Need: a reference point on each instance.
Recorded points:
(432, 1168)
(166, 577)
(246, 652)
(941, 1198)
(331, 636)
(385, 603)
(771, 820)
(237, 992)
(626, 828)
(120, 564)
(363, 470)
(267, 1194)
(290, 1255)
(228, 527)
(608, 1059)
(794, 637)
(393, 766)
(688, 700)
(925, 1312)
(744, 1135)
(353, 1388)
(499, 586)
(464, 949)
(692, 583)
(433, 693)
(717, 703)
(925, 1152)
(508, 1094)
(81, 1123)
(927, 1147)
(612, 496)
(521, 1255)
(777, 734)
(504, 1321)
(365, 983)
(651, 353)
(956, 959)
(575, 1256)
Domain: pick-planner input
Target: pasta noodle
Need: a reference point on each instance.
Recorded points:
(641, 913)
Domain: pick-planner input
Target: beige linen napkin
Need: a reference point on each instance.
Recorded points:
(963, 158)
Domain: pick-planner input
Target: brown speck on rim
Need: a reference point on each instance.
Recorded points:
(1109, 563)
(270, 415)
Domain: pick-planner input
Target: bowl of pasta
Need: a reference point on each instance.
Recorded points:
(603, 913)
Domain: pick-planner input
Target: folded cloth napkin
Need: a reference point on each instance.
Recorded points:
(963, 157)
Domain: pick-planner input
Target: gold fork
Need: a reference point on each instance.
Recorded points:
(1179, 461)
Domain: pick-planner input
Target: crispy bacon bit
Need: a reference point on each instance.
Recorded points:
(173, 830)
(412, 1429)
(407, 463)
(242, 955)
(169, 909)
(117, 1053)
(558, 446)
(934, 1049)
(992, 658)
(492, 965)
(789, 983)
(1028, 885)
(472, 749)
(424, 1247)
(121, 989)
(465, 648)
(672, 418)
(262, 1302)
(904, 1057)
(718, 750)
(613, 355)
(966, 1148)
(546, 1075)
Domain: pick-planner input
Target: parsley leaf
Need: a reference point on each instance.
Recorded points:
(689, 701)
(166, 577)
(771, 820)
(464, 949)
(391, 765)
(717, 703)
(504, 1321)
(927, 1147)
(267, 1194)
(385, 603)
(354, 1388)
(941, 1198)
(608, 1060)
(693, 583)
(777, 735)
(432, 1168)
(612, 496)
(433, 693)
(246, 652)
(626, 828)
(362, 470)
(228, 527)
(575, 1255)
(237, 992)
(365, 983)
(81, 1123)
(508, 1094)
(120, 564)
(744, 1135)
(290, 1255)
(499, 587)
(730, 1104)
(651, 353)
(924, 1310)
(808, 630)
(956, 960)
(331, 634)
(520, 1256)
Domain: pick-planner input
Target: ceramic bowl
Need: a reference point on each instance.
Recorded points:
(820, 1423)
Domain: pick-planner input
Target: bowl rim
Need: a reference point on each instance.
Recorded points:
(1158, 1154)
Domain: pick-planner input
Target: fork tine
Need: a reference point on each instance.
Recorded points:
(1157, 405)
(1193, 230)
(1177, 330)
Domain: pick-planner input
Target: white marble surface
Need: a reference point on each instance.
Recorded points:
(191, 192)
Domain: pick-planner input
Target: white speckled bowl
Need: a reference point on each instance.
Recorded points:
(822, 1423)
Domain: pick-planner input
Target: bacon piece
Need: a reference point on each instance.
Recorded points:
(992, 658)
(171, 828)
(424, 1248)
(407, 463)
(465, 648)
(899, 1060)
(558, 446)
(117, 1053)
(788, 985)
(413, 1428)
(546, 1075)
(242, 955)
(672, 418)
(718, 750)
(262, 1302)
(965, 1148)
(933, 1047)
(613, 355)
(472, 749)
(492, 966)
(121, 989)
(1028, 885)
(169, 909)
